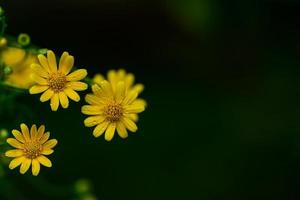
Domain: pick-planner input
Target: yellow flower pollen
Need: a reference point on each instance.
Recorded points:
(32, 149)
(113, 112)
(57, 82)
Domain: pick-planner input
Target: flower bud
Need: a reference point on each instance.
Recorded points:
(82, 186)
(42, 51)
(7, 70)
(3, 42)
(3, 134)
(24, 39)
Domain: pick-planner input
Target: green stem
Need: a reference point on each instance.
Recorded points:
(3, 25)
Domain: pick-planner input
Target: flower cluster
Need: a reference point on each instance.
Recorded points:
(113, 106)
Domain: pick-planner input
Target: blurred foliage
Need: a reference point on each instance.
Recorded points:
(195, 16)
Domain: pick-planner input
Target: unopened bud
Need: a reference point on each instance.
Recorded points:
(7, 70)
(82, 186)
(3, 42)
(3, 134)
(24, 39)
(42, 51)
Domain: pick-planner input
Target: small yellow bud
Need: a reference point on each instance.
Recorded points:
(3, 42)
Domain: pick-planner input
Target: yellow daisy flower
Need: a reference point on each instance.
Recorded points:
(114, 77)
(56, 83)
(20, 62)
(112, 110)
(31, 148)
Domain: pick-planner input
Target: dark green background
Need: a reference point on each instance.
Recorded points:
(222, 84)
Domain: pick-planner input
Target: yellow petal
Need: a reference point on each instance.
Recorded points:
(39, 80)
(97, 90)
(44, 62)
(62, 60)
(41, 131)
(99, 130)
(25, 132)
(36, 68)
(141, 102)
(130, 125)
(110, 131)
(54, 103)
(14, 153)
(52, 61)
(50, 144)
(67, 65)
(138, 88)
(72, 94)
(77, 75)
(94, 100)
(120, 91)
(18, 135)
(35, 167)
(129, 80)
(38, 89)
(121, 73)
(47, 151)
(12, 56)
(133, 117)
(78, 86)
(106, 88)
(25, 165)
(14, 143)
(134, 108)
(121, 129)
(44, 161)
(16, 162)
(98, 78)
(33, 132)
(112, 76)
(46, 95)
(64, 101)
(45, 137)
(93, 121)
(130, 97)
(91, 110)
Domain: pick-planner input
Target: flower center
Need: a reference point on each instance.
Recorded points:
(57, 82)
(113, 112)
(32, 149)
